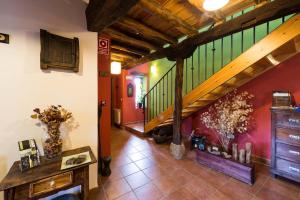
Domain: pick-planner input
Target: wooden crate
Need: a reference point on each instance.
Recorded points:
(242, 172)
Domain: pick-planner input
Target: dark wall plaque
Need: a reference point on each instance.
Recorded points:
(129, 90)
(4, 38)
(59, 52)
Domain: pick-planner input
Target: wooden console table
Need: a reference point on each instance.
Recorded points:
(47, 179)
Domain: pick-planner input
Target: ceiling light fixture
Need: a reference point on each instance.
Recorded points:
(115, 68)
(212, 5)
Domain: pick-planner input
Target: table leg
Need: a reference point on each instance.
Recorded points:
(9, 194)
(85, 187)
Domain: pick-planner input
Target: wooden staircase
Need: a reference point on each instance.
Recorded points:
(278, 46)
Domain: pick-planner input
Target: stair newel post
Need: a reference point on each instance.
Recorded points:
(144, 110)
(177, 148)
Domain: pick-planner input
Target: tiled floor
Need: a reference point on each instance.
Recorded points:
(146, 171)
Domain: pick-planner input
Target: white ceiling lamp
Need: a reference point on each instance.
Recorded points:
(212, 5)
(115, 68)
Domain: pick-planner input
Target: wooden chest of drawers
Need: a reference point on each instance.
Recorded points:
(285, 159)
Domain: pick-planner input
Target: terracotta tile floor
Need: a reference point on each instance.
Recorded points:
(144, 170)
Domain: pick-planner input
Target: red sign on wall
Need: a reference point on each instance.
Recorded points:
(103, 46)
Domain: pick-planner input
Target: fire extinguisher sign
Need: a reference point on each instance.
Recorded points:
(103, 46)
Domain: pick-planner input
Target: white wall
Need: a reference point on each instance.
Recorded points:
(23, 86)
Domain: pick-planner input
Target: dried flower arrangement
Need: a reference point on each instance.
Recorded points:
(229, 116)
(52, 117)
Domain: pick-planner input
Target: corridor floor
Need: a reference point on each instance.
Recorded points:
(144, 170)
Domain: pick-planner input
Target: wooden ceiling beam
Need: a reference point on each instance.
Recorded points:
(260, 15)
(145, 30)
(117, 58)
(117, 51)
(122, 56)
(156, 9)
(129, 49)
(103, 13)
(128, 39)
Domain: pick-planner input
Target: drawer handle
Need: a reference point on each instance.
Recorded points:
(52, 184)
(294, 137)
(296, 121)
(294, 152)
(294, 169)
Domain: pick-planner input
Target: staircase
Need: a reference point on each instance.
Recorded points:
(207, 78)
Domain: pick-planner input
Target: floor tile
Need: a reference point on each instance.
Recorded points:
(180, 194)
(167, 184)
(127, 196)
(148, 192)
(114, 189)
(137, 180)
(155, 172)
(129, 169)
(200, 188)
(182, 175)
(120, 161)
(277, 189)
(235, 193)
(115, 175)
(144, 163)
(136, 156)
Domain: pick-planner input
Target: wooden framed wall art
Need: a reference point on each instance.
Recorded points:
(129, 90)
(59, 52)
(4, 38)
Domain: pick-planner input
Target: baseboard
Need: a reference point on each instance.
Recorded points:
(261, 160)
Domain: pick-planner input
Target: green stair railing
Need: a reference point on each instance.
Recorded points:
(206, 60)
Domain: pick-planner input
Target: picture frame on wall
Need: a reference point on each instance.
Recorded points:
(129, 90)
(59, 52)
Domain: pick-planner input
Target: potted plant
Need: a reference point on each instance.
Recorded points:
(52, 117)
(229, 116)
(141, 100)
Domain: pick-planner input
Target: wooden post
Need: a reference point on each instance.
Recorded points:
(178, 102)
(177, 149)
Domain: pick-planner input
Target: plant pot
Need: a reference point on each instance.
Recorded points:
(159, 139)
(140, 105)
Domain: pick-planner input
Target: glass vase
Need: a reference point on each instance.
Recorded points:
(52, 141)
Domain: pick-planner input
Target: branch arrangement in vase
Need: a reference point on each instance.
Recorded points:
(229, 116)
(52, 117)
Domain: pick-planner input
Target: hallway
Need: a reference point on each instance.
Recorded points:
(146, 171)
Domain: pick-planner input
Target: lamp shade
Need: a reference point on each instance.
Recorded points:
(115, 68)
(212, 5)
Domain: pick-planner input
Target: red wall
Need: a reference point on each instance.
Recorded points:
(129, 111)
(104, 94)
(283, 77)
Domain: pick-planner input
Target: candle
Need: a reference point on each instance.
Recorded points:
(248, 152)
(235, 151)
(242, 156)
